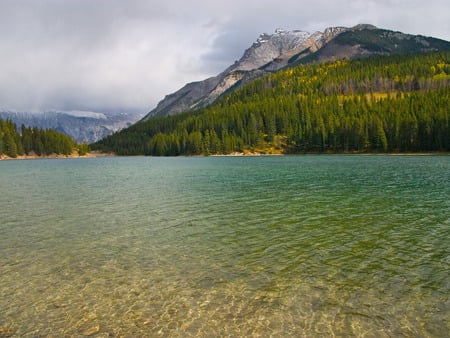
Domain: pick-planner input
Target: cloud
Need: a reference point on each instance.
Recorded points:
(114, 55)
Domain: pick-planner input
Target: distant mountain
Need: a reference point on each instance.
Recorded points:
(272, 52)
(81, 126)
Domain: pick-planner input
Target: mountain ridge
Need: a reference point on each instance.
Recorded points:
(272, 52)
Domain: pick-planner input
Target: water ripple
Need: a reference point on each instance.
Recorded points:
(272, 246)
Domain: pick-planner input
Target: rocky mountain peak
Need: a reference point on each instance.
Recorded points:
(331, 32)
(269, 47)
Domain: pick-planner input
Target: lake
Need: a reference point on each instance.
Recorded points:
(283, 246)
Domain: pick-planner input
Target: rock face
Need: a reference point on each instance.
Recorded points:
(81, 126)
(272, 52)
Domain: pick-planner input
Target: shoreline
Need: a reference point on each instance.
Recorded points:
(95, 154)
(250, 154)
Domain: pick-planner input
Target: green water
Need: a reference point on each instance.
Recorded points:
(301, 246)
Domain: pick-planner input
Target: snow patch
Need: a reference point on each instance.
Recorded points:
(82, 113)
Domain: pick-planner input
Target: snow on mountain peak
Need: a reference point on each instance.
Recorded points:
(269, 47)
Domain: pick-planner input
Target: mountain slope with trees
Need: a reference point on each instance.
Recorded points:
(378, 104)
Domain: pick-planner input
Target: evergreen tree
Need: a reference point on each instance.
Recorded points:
(42, 142)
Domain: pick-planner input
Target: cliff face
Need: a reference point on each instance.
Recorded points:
(272, 52)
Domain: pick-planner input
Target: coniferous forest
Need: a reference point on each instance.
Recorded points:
(35, 140)
(379, 104)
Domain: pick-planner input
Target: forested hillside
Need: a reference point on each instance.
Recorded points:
(34, 140)
(380, 104)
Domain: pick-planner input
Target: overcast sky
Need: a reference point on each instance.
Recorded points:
(126, 55)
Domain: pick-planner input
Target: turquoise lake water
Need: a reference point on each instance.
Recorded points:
(293, 246)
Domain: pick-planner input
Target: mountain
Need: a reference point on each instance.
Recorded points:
(85, 127)
(269, 53)
(395, 103)
(272, 52)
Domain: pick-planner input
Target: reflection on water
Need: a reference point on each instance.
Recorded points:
(272, 246)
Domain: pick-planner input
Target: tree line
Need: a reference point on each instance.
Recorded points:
(35, 140)
(379, 104)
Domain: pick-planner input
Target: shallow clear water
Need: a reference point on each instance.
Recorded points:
(301, 246)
